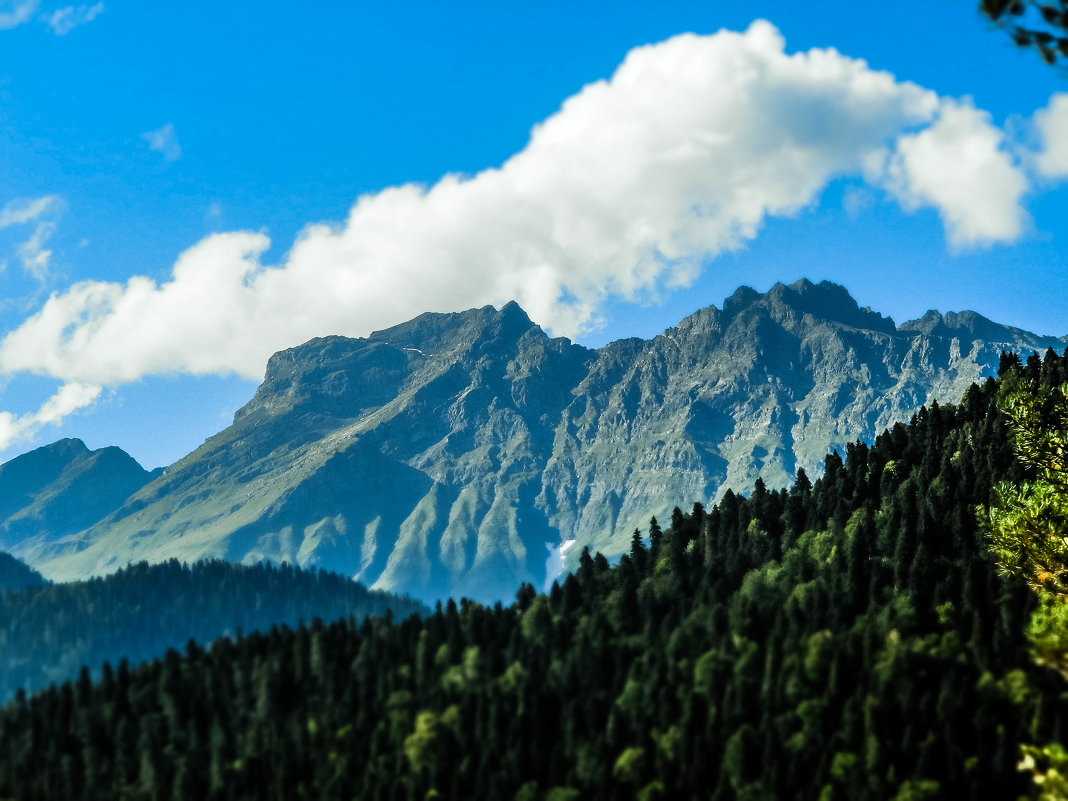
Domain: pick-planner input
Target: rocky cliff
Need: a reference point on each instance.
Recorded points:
(452, 454)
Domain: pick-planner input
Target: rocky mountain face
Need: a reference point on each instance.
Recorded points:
(462, 453)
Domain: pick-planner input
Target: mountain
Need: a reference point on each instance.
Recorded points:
(465, 453)
(61, 489)
(14, 575)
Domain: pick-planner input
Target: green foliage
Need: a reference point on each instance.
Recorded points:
(1048, 767)
(849, 638)
(1047, 631)
(628, 767)
(1028, 521)
(1028, 527)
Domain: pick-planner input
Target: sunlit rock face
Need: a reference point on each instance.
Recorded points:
(454, 454)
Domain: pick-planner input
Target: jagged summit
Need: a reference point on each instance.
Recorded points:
(789, 303)
(956, 324)
(455, 453)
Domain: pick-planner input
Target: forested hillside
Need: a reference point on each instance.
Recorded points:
(847, 639)
(47, 633)
(15, 574)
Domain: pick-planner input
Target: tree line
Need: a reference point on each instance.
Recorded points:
(49, 632)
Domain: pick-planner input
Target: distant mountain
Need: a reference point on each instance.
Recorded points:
(14, 575)
(61, 489)
(449, 454)
(49, 632)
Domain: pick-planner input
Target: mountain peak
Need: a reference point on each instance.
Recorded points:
(513, 321)
(823, 301)
(61, 488)
(970, 323)
(742, 298)
(512, 308)
(68, 446)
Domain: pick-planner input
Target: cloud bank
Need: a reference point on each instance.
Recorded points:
(631, 188)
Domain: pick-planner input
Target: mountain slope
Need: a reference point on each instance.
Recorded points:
(448, 454)
(61, 489)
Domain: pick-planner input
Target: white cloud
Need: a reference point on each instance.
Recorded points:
(24, 210)
(634, 185)
(15, 12)
(165, 141)
(68, 399)
(64, 20)
(960, 166)
(35, 256)
(1052, 125)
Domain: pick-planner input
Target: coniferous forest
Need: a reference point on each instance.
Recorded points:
(848, 638)
(47, 633)
(15, 575)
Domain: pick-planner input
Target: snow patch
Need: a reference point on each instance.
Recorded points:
(554, 565)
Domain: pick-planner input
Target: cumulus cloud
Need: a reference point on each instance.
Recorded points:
(1052, 125)
(15, 12)
(165, 141)
(65, 20)
(633, 186)
(69, 399)
(960, 166)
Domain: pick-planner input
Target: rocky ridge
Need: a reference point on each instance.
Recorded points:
(452, 453)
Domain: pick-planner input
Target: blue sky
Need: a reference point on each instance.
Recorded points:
(134, 133)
